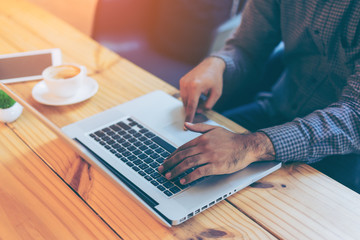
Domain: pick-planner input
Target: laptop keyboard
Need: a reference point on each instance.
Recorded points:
(142, 150)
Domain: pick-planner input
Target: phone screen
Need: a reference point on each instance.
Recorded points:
(24, 66)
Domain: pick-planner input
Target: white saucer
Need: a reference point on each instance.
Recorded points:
(41, 93)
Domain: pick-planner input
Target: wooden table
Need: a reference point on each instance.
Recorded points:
(48, 192)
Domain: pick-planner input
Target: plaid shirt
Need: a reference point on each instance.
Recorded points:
(319, 92)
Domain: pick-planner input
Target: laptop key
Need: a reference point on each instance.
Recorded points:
(99, 133)
(110, 142)
(165, 154)
(149, 170)
(169, 185)
(148, 160)
(137, 162)
(148, 142)
(160, 160)
(175, 190)
(127, 136)
(143, 166)
(131, 148)
(154, 165)
(126, 153)
(161, 188)
(155, 175)
(123, 125)
(115, 128)
(154, 156)
(148, 178)
(132, 131)
(143, 148)
(116, 137)
(149, 134)
(162, 179)
(143, 130)
(159, 150)
(164, 144)
(136, 168)
(155, 183)
(153, 146)
(122, 132)
(149, 151)
(142, 156)
(168, 193)
(111, 133)
(142, 173)
(130, 164)
(137, 135)
(137, 152)
(116, 145)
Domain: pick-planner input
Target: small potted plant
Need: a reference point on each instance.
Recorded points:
(10, 110)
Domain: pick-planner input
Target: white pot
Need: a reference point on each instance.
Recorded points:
(11, 114)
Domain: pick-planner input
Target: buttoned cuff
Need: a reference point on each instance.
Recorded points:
(289, 142)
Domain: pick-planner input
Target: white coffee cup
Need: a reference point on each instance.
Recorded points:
(64, 80)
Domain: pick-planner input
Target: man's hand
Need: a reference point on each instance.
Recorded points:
(217, 151)
(206, 79)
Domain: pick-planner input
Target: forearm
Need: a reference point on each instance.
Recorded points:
(257, 147)
(330, 131)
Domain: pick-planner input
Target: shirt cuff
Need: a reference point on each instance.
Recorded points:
(289, 142)
(230, 68)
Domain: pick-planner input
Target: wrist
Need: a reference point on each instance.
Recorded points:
(216, 62)
(258, 147)
(265, 149)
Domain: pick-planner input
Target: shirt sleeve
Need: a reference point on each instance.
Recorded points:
(252, 43)
(330, 131)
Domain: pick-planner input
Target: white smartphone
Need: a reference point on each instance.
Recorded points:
(27, 66)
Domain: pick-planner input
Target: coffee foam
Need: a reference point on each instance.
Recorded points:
(64, 72)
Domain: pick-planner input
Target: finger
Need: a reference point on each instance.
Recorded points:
(212, 99)
(183, 95)
(191, 106)
(200, 172)
(186, 164)
(199, 127)
(177, 158)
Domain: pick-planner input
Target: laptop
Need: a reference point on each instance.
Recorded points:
(131, 140)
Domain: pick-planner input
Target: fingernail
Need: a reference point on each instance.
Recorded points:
(182, 181)
(161, 168)
(168, 175)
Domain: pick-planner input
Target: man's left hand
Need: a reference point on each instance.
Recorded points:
(216, 151)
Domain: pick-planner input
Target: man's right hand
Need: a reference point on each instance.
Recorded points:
(206, 79)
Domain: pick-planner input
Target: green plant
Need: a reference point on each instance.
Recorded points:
(5, 100)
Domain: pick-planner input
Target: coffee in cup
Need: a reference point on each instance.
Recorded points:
(64, 80)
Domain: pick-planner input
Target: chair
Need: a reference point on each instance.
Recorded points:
(167, 38)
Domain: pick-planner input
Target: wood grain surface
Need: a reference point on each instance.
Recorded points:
(35, 203)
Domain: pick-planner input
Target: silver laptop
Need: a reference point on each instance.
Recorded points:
(131, 140)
